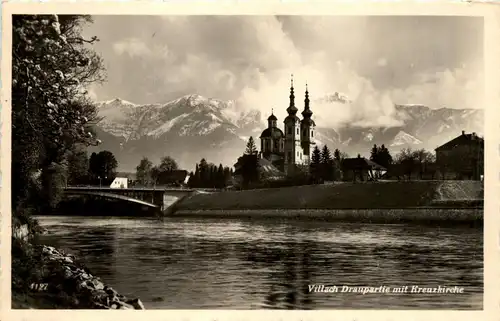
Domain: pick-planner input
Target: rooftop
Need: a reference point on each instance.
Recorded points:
(464, 139)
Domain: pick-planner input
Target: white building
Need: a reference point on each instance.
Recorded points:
(119, 182)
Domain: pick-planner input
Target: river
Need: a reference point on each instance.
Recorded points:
(188, 263)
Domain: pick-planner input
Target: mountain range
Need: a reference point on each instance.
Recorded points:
(194, 127)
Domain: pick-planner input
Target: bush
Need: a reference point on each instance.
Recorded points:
(26, 267)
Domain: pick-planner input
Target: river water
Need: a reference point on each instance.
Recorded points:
(188, 263)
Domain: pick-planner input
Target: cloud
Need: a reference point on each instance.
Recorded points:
(132, 47)
(249, 59)
(452, 88)
(382, 62)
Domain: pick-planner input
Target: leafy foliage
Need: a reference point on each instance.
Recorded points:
(78, 166)
(51, 65)
(167, 164)
(213, 176)
(143, 171)
(381, 156)
(102, 166)
(410, 162)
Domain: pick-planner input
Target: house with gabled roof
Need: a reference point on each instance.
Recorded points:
(461, 157)
(359, 168)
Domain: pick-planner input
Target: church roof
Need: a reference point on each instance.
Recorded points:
(272, 132)
(292, 117)
(272, 117)
(308, 121)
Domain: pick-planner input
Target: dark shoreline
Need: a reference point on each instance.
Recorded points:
(430, 216)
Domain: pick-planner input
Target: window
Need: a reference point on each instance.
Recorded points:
(297, 131)
(276, 144)
(312, 133)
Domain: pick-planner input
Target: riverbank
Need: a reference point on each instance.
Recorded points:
(432, 216)
(389, 201)
(46, 278)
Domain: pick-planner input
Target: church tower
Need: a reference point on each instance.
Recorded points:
(293, 150)
(307, 130)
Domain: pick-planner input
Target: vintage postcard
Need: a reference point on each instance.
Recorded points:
(273, 161)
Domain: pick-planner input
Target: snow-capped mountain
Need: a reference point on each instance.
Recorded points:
(190, 115)
(403, 138)
(194, 127)
(188, 128)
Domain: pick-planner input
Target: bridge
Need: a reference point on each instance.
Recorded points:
(160, 198)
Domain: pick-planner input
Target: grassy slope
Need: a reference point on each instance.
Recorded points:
(338, 196)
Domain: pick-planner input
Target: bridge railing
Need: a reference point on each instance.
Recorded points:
(159, 188)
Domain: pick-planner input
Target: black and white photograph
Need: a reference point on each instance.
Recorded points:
(247, 162)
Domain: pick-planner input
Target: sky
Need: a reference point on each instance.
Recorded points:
(375, 61)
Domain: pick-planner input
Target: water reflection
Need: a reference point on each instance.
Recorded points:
(193, 263)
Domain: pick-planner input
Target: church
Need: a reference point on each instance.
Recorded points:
(294, 147)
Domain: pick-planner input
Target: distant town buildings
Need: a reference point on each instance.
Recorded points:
(295, 145)
(461, 157)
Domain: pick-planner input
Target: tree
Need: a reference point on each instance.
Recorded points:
(167, 164)
(51, 113)
(251, 148)
(422, 159)
(102, 166)
(53, 178)
(384, 157)
(191, 182)
(381, 156)
(228, 174)
(315, 166)
(326, 164)
(77, 166)
(212, 176)
(336, 155)
(194, 179)
(248, 164)
(418, 161)
(143, 171)
(220, 179)
(93, 166)
(406, 161)
(155, 174)
(374, 153)
(204, 172)
(249, 168)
